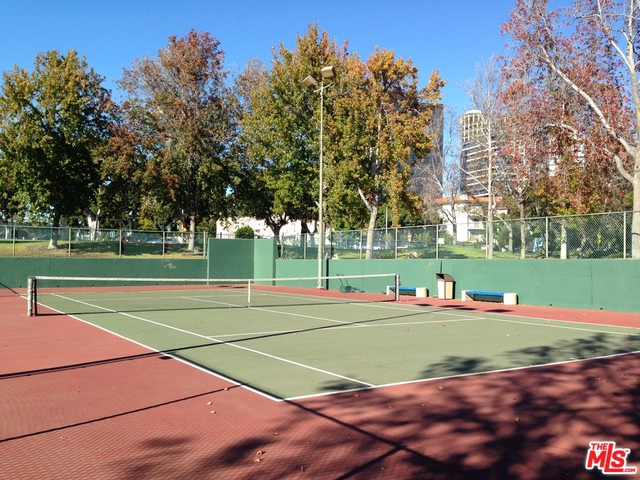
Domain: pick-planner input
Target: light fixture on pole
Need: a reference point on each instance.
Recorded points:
(326, 73)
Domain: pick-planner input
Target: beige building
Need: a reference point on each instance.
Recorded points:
(476, 140)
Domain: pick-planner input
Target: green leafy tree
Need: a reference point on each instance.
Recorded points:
(377, 132)
(9, 204)
(280, 132)
(182, 118)
(121, 195)
(53, 121)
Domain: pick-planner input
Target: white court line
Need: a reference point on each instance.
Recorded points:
(279, 312)
(215, 302)
(179, 359)
(135, 298)
(352, 325)
(503, 317)
(566, 327)
(83, 303)
(368, 386)
(221, 342)
(460, 375)
(298, 364)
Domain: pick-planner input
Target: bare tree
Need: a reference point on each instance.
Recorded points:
(437, 180)
(484, 133)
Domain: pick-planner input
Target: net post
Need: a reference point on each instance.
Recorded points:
(397, 292)
(31, 286)
(248, 293)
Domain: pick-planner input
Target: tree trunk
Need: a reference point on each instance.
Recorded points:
(93, 221)
(370, 231)
(53, 241)
(192, 232)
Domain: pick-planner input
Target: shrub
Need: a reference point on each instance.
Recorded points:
(245, 232)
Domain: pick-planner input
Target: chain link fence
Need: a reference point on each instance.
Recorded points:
(27, 241)
(605, 235)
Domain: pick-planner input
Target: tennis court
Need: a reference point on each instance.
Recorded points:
(288, 343)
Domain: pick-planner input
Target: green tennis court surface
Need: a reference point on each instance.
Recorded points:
(290, 346)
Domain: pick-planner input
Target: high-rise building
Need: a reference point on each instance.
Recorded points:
(475, 137)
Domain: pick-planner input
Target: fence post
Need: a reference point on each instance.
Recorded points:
(396, 249)
(204, 245)
(437, 240)
(546, 237)
(69, 247)
(397, 285)
(14, 241)
(624, 234)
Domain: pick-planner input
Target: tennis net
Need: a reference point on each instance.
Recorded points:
(76, 295)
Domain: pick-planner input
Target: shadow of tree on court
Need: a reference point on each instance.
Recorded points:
(531, 423)
(528, 424)
(521, 424)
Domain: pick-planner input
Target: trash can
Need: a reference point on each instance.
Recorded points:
(445, 286)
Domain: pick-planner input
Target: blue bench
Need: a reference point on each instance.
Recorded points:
(506, 298)
(420, 292)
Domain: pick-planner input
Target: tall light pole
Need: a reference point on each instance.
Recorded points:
(310, 82)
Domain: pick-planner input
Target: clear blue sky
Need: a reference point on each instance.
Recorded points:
(451, 36)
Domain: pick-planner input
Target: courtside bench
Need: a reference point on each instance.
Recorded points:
(418, 292)
(506, 298)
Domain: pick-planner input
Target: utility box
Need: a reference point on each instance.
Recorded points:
(445, 286)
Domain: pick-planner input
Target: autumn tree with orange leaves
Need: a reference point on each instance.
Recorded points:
(182, 118)
(378, 131)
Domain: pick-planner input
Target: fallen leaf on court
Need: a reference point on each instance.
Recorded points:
(517, 419)
(356, 395)
(209, 403)
(257, 460)
(261, 452)
(440, 387)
